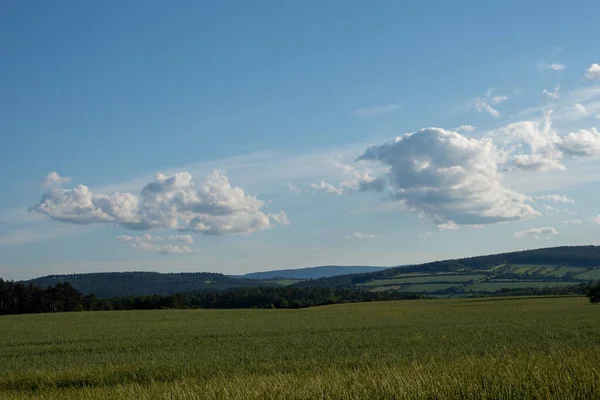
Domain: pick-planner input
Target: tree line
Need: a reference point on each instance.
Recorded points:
(19, 298)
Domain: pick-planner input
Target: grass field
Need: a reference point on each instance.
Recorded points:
(494, 286)
(454, 278)
(476, 348)
(286, 282)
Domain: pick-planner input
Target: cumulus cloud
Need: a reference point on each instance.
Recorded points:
(573, 221)
(584, 142)
(537, 146)
(211, 207)
(377, 110)
(173, 244)
(54, 179)
(555, 94)
(446, 176)
(593, 72)
(556, 198)
(536, 233)
(596, 219)
(362, 235)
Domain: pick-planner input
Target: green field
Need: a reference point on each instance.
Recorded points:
(514, 348)
(428, 287)
(285, 282)
(593, 275)
(455, 278)
(494, 286)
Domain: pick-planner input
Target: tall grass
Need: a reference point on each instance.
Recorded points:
(525, 348)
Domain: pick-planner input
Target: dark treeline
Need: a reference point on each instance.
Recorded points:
(18, 298)
(114, 284)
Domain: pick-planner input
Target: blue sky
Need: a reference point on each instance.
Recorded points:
(255, 114)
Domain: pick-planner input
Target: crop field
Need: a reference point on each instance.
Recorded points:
(454, 278)
(494, 286)
(286, 282)
(513, 348)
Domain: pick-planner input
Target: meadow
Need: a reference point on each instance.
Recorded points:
(422, 349)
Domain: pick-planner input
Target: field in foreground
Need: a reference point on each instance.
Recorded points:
(478, 348)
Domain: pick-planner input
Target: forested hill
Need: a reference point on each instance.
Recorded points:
(580, 258)
(113, 284)
(312, 272)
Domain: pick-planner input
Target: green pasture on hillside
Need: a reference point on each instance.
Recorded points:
(463, 348)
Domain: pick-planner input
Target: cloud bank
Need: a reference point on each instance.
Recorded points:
(211, 207)
(173, 244)
(536, 233)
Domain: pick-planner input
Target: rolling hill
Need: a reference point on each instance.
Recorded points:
(112, 284)
(312, 272)
(516, 271)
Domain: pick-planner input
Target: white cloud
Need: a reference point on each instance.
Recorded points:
(426, 234)
(465, 128)
(446, 176)
(211, 207)
(585, 142)
(593, 72)
(553, 66)
(173, 244)
(362, 235)
(482, 106)
(549, 211)
(536, 233)
(54, 179)
(555, 95)
(580, 109)
(573, 221)
(556, 198)
(536, 146)
(373, 111)
(327, 187)
(356, 179)
(448, 226)
(596, 219)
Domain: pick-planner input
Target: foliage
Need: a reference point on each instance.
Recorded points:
(594, 293)
(499, 265)
(453, 349)
(112, 284)
(17, 298)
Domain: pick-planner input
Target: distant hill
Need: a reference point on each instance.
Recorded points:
(510, 272)
(112, 284)
(522, 270)
(312, 272)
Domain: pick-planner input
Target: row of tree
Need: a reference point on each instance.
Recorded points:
(18, 298)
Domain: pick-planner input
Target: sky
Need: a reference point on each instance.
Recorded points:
(240, 136)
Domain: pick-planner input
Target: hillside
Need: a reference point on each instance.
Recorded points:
(110, 284)
(312, 272)
(511, 272)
